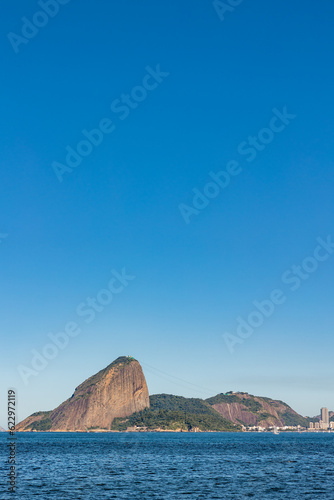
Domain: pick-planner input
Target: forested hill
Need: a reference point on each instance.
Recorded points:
(223, 412)
(168, 412)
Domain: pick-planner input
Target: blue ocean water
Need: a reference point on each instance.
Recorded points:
(170, 466)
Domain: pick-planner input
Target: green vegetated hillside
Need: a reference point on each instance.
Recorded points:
(223, 412)
(120, 389)
(170, 412)
(42, 422)
(249, 410)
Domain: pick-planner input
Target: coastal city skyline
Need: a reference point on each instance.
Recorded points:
(324, 422)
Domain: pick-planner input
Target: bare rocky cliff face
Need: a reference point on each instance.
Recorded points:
(117, 391)
(248, 410)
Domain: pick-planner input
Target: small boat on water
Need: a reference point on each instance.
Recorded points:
(276, 431)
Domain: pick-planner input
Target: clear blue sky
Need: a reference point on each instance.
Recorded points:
(120, 206)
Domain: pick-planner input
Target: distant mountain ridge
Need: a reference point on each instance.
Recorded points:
(2, 429)
(117, 398)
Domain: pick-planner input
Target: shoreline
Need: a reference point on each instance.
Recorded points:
(104, 431)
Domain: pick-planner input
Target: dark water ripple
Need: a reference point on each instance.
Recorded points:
(171, 466)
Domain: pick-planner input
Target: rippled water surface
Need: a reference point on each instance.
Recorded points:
(171, 466)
